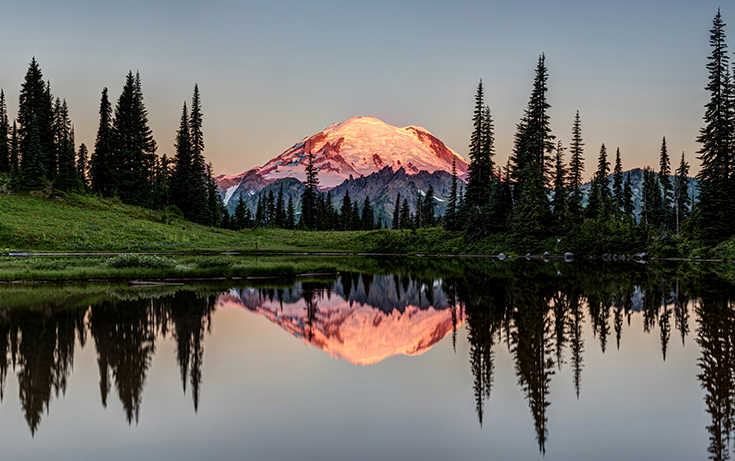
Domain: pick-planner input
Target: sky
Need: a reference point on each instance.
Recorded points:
(271, 73)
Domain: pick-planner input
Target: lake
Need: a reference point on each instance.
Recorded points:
(415, 359)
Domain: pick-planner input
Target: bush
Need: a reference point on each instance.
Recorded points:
(136, 260)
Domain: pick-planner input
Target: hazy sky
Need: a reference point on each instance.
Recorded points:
(271, 73)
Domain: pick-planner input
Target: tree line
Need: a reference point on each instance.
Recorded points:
(38, 150)
(537, 194)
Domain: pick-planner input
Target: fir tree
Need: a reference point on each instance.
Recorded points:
(682, 201)
(451, 213)
(239, 218)
(183, 173)
(534, 144)
(560, 202)
(67, 177)
(162, 173)
(397, 213)
(82, 161)
(603, 183)
(618, 192)
(406, 218)
(280, 209)
(476, 173)
(99, 164)
(367, 217)
(667, 189)
(198, 189)
(4, 135)
(32, 169)
(419, 217)
(628, 204)
(576, 168)
(14, 150)
(271, 208)
(35, 101)
(133, 147)
(215, 204)
(346, 212)
(714, 209)
(290, 214)
(427, 209)
(308, 199)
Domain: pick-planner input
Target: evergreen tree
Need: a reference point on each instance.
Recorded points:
(280, 209)
(576, 168)
(35, 101)
(714, 209)
(618, 192)
(99, 165)
(199, 195)
(535, 144)
(346, 212)
(397, 213)
(82, 161)
(239, 218)
(628, 204)
(368, 217)
(32, 169)
(260, 212)
(162, 173)
(183, 174)
(559, 204)
(271, 208)
(133, 147)
(67, 177)
(308, 199)
(14, 150)
(603, 183)
(4, 135)
(406, 219)
(427, 209)
(667, 189)
(215, 205)
(650, 192)
(290, 214)
(451, 213)
(355, 222)
(477, 173)
(419, 217)
(682, 202)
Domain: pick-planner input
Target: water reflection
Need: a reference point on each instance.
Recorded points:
(535, 313)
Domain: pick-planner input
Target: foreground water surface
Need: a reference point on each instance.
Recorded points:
(424, 359)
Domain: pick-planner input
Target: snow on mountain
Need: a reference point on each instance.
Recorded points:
(376, 320)
(361, 146)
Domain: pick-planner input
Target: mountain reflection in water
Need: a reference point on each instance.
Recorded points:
(362, 319)
(535, 313)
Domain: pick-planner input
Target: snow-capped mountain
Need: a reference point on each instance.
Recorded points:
(375, 319)
(356, 147)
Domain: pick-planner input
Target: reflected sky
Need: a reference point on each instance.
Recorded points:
(636, 365)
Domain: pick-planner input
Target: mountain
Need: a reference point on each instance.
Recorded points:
(361, 146)
(636, 180)
(374, 319)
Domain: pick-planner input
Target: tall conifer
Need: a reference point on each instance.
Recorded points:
(100, 163)
(198, 189)
(183, 174)
(667, 189)
(35, 108)
(682, 202)
(397, 213)
(714, 208)
(83, 165)
(618, 193)
(576, 168)
(4, 135)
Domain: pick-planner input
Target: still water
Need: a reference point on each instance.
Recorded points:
(434, 360)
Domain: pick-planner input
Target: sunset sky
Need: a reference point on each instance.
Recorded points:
(271, 73)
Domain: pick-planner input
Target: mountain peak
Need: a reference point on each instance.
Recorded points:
(360, 146)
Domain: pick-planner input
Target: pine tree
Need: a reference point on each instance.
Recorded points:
(34, 101)
(271, 208)
(368, 216)
(82, 161)
(407, 221)
(198, 189)
(346, 220)
(32, 169)
(260, 212)
(397, 213)
(618, 192)
(427, 209)
(559, 204)
(628, 204)
(133, 147)
(682, 201)
(14, 150)
(667, 189)
(183, 174)
(67, 177)
(280, 209)
(4, 135)
(215, 204)
(290, 214)
(308, 198)
(451, 213)
(239, 219)
(162, 173)
(714, 214)
(535, 144)
(576, 168)
(99, 165)
(603, 182)
(476, 173)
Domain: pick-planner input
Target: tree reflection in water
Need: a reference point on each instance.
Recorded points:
(537, 311)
